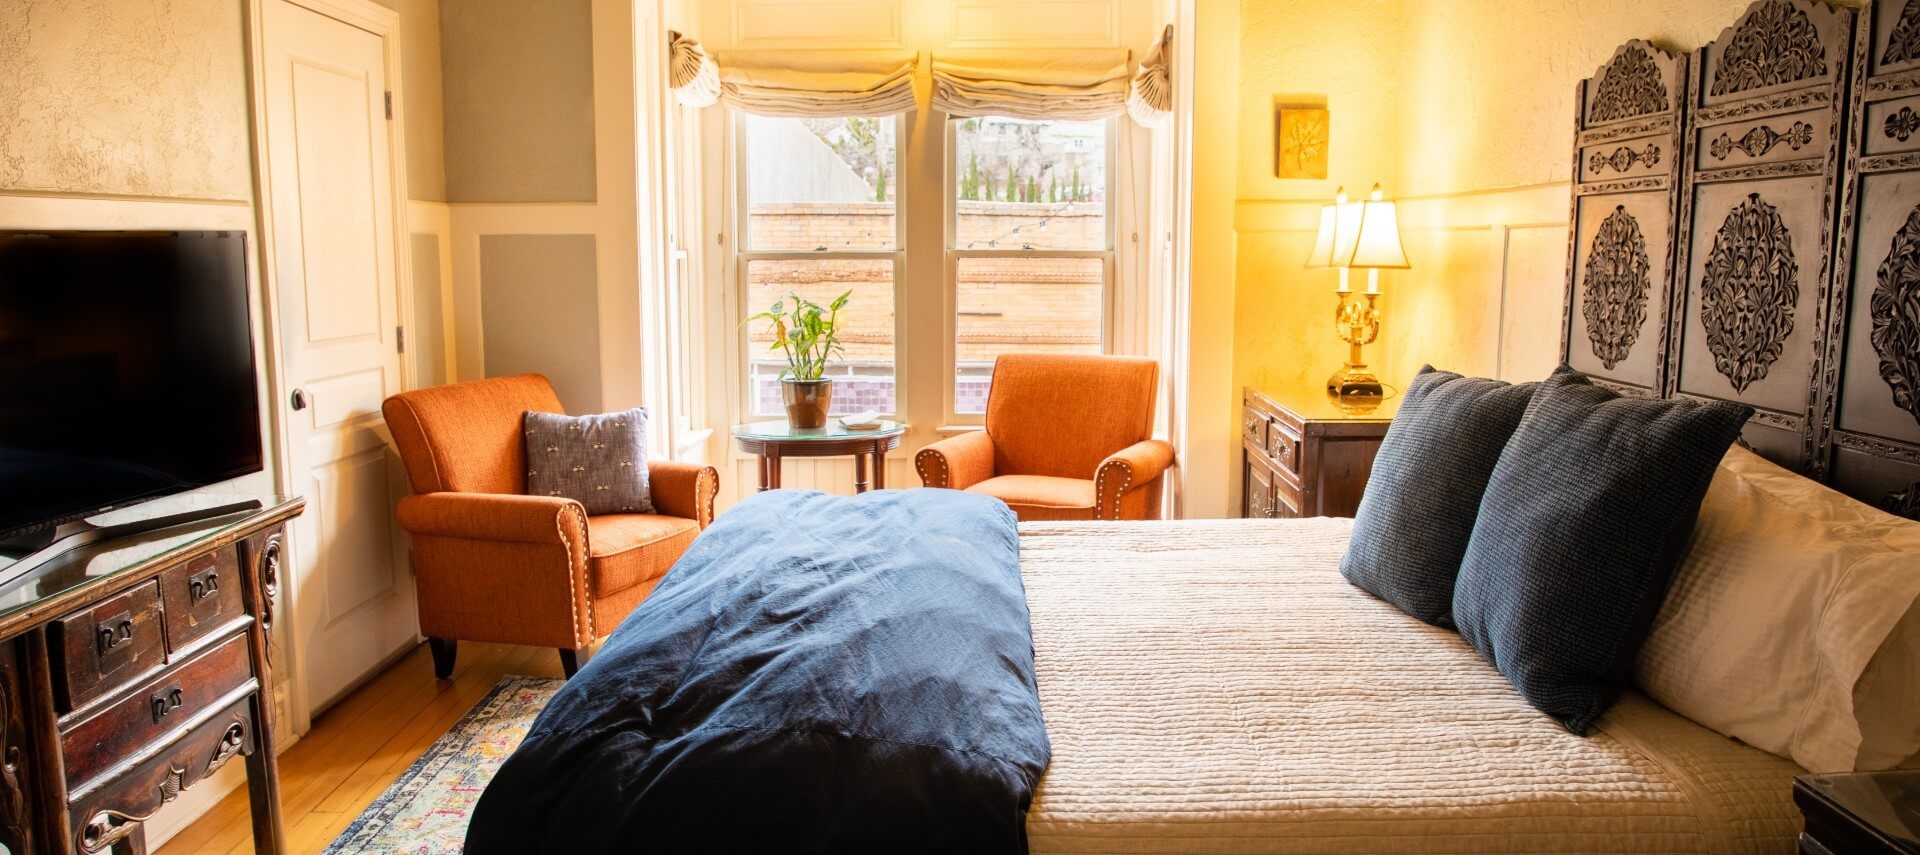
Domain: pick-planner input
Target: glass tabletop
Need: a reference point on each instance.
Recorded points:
(84, 564)
(833, 430)
(1888, 801)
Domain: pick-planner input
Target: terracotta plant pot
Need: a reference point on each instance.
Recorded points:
(807, 401)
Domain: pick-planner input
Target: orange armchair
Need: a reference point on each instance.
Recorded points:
(494, 565)
(1067, 438)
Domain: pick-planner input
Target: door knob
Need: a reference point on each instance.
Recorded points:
(299, 399)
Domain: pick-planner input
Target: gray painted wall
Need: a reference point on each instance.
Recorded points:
(517, 82)
(427, 340)
(539, 312)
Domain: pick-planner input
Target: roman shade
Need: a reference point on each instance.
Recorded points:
(1031, 84)
(691, 74)
(814, 83)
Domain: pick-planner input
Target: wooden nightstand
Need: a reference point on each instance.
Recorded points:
(1305, 453)
(1864, 812)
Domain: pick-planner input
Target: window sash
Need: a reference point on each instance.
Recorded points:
(743, 258)
(950, 321)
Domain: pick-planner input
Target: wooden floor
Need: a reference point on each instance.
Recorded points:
(361, 745)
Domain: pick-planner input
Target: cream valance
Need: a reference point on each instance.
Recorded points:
(817, 83)
(1150, 99)
(691, 74)
(1031, 84)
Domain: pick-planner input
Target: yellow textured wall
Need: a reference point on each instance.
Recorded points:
(1463, 110)
(124, 97)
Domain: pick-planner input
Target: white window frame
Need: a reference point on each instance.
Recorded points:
(743, 257)
(950, 322)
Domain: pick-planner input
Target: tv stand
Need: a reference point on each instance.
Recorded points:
(44, 546)
(131, 671)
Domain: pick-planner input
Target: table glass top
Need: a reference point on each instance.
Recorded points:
(1888, 801)
(833, 430)
(21, 587)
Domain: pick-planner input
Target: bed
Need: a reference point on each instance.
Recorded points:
(1216, 686)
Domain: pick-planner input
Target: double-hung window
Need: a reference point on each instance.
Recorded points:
(1029, 267)
(1029, 244)
(821, 216)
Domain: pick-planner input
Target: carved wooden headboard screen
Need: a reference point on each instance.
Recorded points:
(1868, 418)
(1625, 207)
(1764, 110)
(1795, 239)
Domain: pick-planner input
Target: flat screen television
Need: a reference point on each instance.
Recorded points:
(126, 370)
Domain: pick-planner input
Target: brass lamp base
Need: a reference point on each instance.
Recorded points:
(1354, 381)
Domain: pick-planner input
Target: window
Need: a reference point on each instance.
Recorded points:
(822, 217)
(1028, 265)
(1031, 237)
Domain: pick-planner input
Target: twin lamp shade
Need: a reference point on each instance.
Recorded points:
(1365, 235)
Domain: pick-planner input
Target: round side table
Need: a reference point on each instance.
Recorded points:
(774, 440)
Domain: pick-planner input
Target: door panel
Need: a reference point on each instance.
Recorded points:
(335, 249)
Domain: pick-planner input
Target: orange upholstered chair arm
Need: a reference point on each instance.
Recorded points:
(683, 490)
(495, 516)
(957, 462)
(1135, 466)
(501, 567)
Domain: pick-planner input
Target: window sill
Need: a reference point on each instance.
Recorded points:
(956, 430)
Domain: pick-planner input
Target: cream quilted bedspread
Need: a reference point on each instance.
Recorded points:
(1216, 686)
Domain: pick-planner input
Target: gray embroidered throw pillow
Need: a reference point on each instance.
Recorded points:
(599, 461)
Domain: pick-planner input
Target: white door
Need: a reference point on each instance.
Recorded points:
(334, 241)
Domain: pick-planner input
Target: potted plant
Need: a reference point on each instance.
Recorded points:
(808, 334)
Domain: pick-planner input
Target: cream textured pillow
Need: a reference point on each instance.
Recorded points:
(1780, 628)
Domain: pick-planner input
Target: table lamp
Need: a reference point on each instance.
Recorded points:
(1365, 235)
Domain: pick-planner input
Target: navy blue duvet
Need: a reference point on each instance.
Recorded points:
(816, 674)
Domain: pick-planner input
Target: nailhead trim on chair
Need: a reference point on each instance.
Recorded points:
(573, 530)
(1101, 476)
(920, 465)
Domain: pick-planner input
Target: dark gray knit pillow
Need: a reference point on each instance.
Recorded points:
(1585, 519)
(599, 461)
(1418, 510)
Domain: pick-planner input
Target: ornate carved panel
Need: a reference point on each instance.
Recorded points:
(1756, 224)
(1629, 86)
(1749, 289)
(1776, 45)
(1759, 141)
(1868, 415)
(1897, 23)
(1616, 287)
(1626, 173)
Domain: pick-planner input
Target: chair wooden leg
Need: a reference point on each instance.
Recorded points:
(444, 649)
(571, 660)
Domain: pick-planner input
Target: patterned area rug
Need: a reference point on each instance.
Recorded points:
(425, 811)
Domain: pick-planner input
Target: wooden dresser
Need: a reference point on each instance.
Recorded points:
(132, 669)
(1305, 453)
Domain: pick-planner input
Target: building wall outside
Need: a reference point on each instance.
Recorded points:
(1028, 305)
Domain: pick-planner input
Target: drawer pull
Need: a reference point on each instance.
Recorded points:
(166, 701)
(115, 634)
(202, 588)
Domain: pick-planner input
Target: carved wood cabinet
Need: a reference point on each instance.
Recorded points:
(132, 669)
(1304, 453)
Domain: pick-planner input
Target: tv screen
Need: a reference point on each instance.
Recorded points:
(126, 370)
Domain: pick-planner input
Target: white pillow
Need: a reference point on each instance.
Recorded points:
(1793, 623)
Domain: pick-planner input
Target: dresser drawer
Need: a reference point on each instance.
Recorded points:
(104, 647)
(164, 703)
(1283, 446)
(1253, 425)
(111, 810)
(201, 596)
